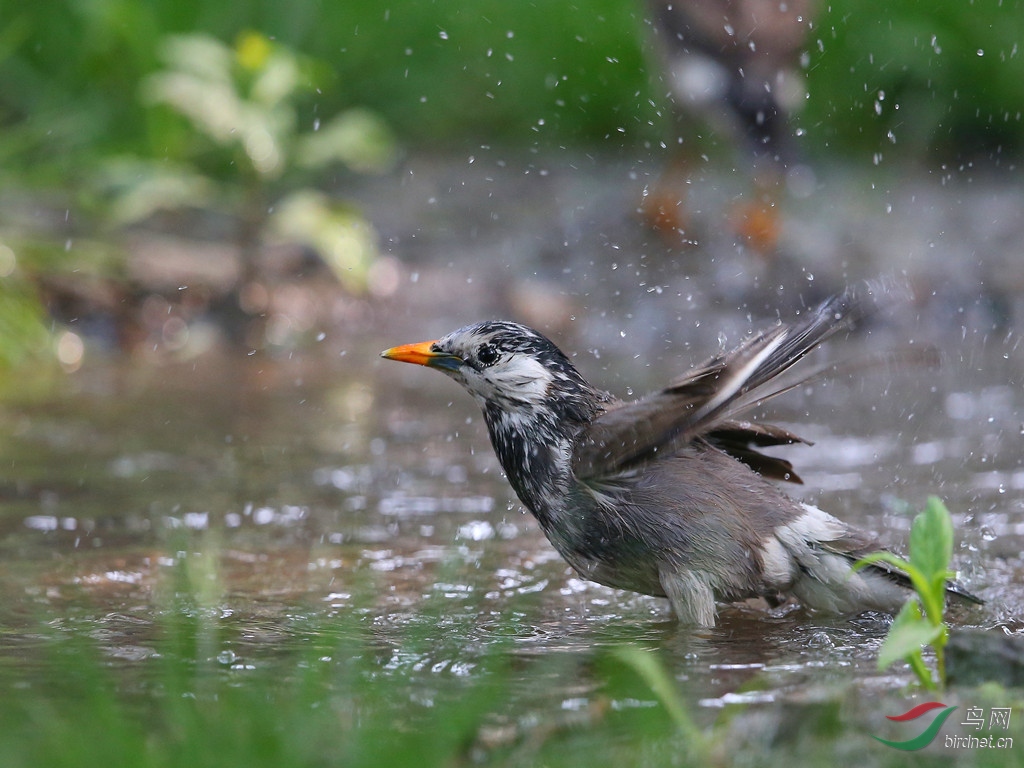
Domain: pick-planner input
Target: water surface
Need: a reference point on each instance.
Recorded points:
(290, 496)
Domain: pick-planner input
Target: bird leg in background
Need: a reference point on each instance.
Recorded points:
(733, 72)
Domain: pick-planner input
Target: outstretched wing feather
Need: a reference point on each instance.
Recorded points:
(702, 405)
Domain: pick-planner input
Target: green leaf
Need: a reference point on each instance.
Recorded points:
(882, 557)
(931, 540)
(662, 685)
(907, 635)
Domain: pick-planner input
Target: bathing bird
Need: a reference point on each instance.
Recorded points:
(671, 494)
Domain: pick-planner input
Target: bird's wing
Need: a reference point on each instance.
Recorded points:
(704, 403)
(741, 439)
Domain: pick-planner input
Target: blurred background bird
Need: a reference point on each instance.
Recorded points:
(733, 70)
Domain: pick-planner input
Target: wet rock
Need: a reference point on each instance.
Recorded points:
(974, 657)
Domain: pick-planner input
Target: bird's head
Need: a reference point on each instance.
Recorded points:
(502, 364)
(534, 400)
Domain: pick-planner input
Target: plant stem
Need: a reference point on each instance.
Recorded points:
(924, 675)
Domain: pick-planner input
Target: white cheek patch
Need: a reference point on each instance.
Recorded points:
(521, 378)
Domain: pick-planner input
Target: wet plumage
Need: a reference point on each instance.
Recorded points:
(668, 495)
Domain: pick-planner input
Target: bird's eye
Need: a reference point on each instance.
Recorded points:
(487, 355)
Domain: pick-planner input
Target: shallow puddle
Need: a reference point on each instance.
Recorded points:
(289, 495)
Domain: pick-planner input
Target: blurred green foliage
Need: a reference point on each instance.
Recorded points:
(24, 333)
(247, 154)
(438, 72)
(348, 690)
(466, 72)
(342, 707)
(916, 78)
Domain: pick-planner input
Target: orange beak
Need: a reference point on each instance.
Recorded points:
(422, 353)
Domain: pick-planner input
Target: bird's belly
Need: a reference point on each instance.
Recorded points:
(635, 577)
(607, 559)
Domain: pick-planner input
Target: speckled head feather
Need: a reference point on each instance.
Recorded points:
(511, 363)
